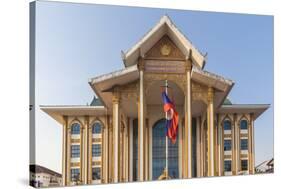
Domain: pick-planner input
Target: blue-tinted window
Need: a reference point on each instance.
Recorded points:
(244, 165)
(75, 174)
(244, 124)
(227, 145)
(244, 144)
(96, 150)
(96, 172)
(159, 152)
(227, 125)
(75, 151)
(75, 128)
(96, 129)
(227, 165)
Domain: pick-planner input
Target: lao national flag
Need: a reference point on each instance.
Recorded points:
(172, 118)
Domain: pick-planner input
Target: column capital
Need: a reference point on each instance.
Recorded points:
(86, 119)
(210, 94)
(234, 116)
(251, 116)
(188, 62)
(188, 65)
(141, 64)
(116, 97)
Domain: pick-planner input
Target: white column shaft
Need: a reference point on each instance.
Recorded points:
(211, 153)
(116, 130)
(198, 147)
(141, 128)
(64, 154)
(188, 126)
(85, 146)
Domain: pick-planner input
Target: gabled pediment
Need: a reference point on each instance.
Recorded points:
(164, 27)
(165, 48)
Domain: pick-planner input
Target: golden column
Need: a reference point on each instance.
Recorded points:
(220, 146)
(198, 150)
(81, 178)
(110, 152)
(68, 155)
(251, 156)
(122, 150)
(210, 118)
(202, 144)
(233, 144)
(236, 143)
(105, 150)
(116, 135)
(188, 124)
(85, 147)
(90, 158)
(64, 151)
(141, 124)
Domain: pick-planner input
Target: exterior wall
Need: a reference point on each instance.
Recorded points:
(86, 162)
(235, 135)
(235, 155)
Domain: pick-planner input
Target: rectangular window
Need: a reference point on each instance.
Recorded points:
(96, 173)
(227, 145)
(75, 151)
(244, 144)
(227, 165)
(227, 125)
(96, 150)
(244, 165)
(75, 174)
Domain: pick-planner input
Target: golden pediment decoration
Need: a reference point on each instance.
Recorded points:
(165, 48)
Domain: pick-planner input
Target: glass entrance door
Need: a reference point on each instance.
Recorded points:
(159, 152)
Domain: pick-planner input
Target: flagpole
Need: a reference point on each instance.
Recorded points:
(166, 115)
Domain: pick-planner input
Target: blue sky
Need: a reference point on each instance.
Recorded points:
(75, 42)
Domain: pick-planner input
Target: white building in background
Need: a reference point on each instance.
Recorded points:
(43, 177)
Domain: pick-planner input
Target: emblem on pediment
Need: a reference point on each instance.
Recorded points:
(166, 50)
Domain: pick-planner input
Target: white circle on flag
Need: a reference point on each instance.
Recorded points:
(170, 114)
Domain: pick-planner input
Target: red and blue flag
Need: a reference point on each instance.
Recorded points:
(172, 118)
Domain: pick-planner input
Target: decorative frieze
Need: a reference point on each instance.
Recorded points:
(150, 78)
(199, 92)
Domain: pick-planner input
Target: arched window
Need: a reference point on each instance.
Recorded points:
(244, 124)
(227, 125)
(96, 128)
(75, 128)
(158, 152)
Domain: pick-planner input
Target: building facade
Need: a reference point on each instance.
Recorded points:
(120, 136)
(43, 177)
